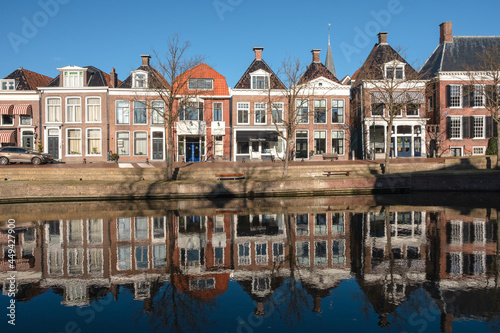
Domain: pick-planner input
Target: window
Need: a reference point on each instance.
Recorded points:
(412, 110)
(478, 127)
(94, 141)
(200, 84)
(25, 120)
(277, 113)
(302, 108)
(320, 253)
(53, 110)
(260, 82)
(141, 228)
(302, 224)
(338, 142)
(389, 72)
(260, 113)
(397, 110)
(75, 231)
(320, 111)
(337, 110)
(244, 254)
(242, 148)
(7, 119)
(399, 73)
(278, 252)
(93, 110)
(319, 142)
(159, 256)
(122, 112)
(158, 227)
(74, 141)
(455, 96)
(140, 80)
(123, 258)
(261, 253)
(94, 232)
(478, 95)
(157, 112)
(192, 111)
(73, 110)
(455, 127)
(478, 150)
(140, 143)
(123, 143)
(392, 72)
(338, 252)
(202, 284)
(123, 228)
(140, 113)
(243, 111)
(217, 116)
(338, 223)
(302, 253)
(8, 84)
(455, 151)
(377, 109)
(73, 79)
(320, 227)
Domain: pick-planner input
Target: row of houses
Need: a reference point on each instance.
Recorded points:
(86, 114)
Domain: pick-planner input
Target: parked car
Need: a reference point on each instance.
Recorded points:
(22, 155)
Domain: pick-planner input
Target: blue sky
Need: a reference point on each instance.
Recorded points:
(44, 35)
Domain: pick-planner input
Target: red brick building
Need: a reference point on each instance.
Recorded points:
(460, 122)
(20, 108)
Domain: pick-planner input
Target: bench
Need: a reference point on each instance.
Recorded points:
(337, 172)
(330, 156)
(230, 176)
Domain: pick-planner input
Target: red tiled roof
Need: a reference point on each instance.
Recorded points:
(35, 80)
(203, 71)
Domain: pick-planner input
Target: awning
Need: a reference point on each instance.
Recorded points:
(245, 136)
(7, 136)
(410, 97)
(6, 108)
(24, 109)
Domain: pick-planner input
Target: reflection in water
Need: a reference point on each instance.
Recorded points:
(189, 264)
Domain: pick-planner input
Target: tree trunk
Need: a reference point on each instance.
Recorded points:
(287, 157)
(170, 152)
(387, 167)
(498, 145)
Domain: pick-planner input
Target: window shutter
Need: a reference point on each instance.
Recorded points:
(467, 99)
(490, 95)
(448, 95)
(466, 127)
(448, 127)
(489, 127)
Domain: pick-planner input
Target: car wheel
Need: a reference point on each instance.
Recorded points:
(36, 160)
(4, 160)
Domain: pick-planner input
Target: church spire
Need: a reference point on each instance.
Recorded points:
(329, 58)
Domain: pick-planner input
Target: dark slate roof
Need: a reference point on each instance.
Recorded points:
(95, 78)
(463, 54)
(329, 61)
(315, 70)
(127, 83)
(381, 54)
(244, 82)
(28, 80)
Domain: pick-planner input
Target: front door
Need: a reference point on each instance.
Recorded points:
(53, 146)
(28, 140)
(192, 151)
(403, 146)
(301, 148)
(157, 146)
(255, 154)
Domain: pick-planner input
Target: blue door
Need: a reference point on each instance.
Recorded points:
(403, 146)
(192, 152)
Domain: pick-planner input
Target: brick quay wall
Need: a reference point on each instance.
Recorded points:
(64, 182)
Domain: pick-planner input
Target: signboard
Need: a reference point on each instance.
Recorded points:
(218, 128)
(191, 127)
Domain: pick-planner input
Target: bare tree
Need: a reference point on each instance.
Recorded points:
(175, 69)
(393, 87)
(485, 85)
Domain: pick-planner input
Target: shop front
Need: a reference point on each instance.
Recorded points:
(258, 145)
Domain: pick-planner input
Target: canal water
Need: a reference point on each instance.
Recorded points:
(405, 263)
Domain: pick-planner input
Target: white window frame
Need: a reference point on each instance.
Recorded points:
(413, 115)
(475, 150)
(336, 102)
(261, 259)
(395, 65)
(314, 141)
(88, 138)
(140, 105)
(277, 109)
(221, 108)
(483, 127)
(74, 109)
(96, 109)
(325, 110)
(460, 127)
(460, 90)
(299, 108)
(127, 116)
(241, 108)
(461, 149)
(8, 84)
(57, 110)
(193, 86)
(343, 141)
(68, 152)
(25, 117)
(259, 108)
(266, 78)
(118, 139)
(141, 83)
(155, 115)
(134, 143)
(73, 78)
(478, 95)
(11, 117)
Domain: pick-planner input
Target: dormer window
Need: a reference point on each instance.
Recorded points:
(140, 80)
(201, 84)
(260, 82)
(73, 79)
(8, 84)
(394, 70)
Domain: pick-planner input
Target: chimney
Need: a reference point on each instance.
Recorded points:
(258, 52)
(382, 37)
(446, 32)
(145, 59)
(114, 78)
(315, 53)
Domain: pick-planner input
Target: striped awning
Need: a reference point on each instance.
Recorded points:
(24, 109)
(6, 108)
(7, 136)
